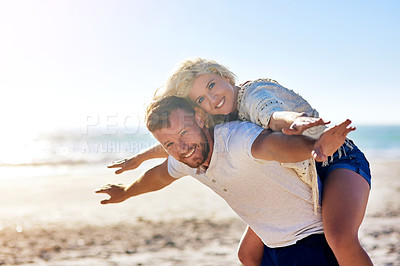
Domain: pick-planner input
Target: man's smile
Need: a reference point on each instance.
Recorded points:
(190, 152)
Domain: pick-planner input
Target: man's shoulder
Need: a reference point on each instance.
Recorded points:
(236, 135)
(235, 125)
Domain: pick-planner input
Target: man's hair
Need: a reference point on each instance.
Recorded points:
(158, 111)
(181, 81)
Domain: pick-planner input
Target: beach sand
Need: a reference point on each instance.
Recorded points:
(58, 220)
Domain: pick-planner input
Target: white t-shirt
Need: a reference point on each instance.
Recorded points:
(259, 99)
(271, 199)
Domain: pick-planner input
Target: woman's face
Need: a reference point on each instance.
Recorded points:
(214, 94)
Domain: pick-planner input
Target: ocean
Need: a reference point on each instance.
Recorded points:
(76, 151)
(72, 151)
(378, 142)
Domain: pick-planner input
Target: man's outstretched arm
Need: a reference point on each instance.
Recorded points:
(130, 163)
(276, 146)
(153, 179)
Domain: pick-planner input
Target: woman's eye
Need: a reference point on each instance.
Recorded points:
(200, 100)
(183, 133)
(168, 145)
(211, 86)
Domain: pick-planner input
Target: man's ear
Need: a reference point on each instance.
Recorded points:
(200, 117)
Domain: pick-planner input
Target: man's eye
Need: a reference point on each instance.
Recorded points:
(200, 100)
(211, 86)
(168, 145)
(183, 133)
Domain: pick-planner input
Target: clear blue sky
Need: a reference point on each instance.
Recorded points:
(64, 61)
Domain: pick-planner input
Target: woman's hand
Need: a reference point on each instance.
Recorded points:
(302, 123)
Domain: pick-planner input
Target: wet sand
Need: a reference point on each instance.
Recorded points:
(58, 220)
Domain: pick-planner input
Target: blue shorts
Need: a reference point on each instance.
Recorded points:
(310, 251)
(348, 156)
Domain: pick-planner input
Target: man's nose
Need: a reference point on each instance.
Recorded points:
(181, 147)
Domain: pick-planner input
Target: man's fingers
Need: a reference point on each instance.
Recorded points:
(351, 128)
(116, 164)
(348, 130)
(345, 123)
(100, 190)
(345, 127)
(115, 191)
(331, 140)
(106, 201)
(119, 171)
(318, 156)
(119, 163)
(104, 189)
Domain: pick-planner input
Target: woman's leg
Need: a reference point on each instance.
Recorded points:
(251, 248)
(345, 198)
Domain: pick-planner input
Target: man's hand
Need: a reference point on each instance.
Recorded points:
(157, 151)
(302, 123)
(153, 179)
(331, 140)
(116, 192)
(125, 164)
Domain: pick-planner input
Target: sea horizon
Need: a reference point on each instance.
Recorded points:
(72, 150)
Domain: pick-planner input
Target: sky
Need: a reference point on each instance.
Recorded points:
(80, 64)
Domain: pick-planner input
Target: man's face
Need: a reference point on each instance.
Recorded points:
(184, 139)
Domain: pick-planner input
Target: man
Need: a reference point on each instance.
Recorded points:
(240, 162)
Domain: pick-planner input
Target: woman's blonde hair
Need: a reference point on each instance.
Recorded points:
(181, 81)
